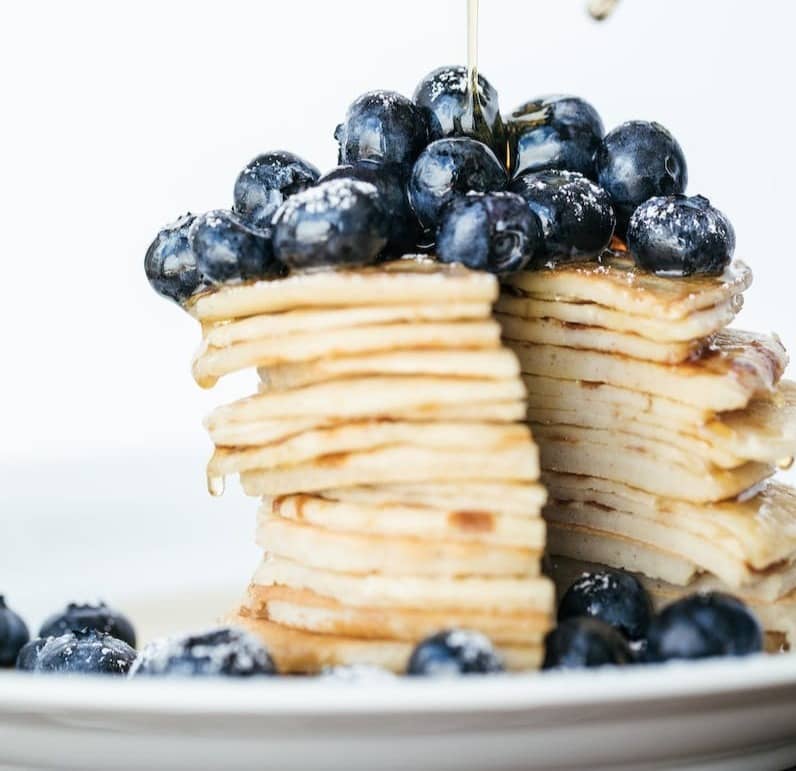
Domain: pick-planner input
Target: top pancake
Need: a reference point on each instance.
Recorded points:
(417, 280)
(616, 283)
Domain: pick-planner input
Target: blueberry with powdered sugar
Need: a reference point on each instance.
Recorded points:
(266, 182)
(383, 127)
(584, 643)
(82, 652)
(680, 236)
(612, 596)
(339, 223)
(29, 654)
(576, 214)
(170, 264)
(224, 652)
(638, 161)
(454, 652)
(89, 616)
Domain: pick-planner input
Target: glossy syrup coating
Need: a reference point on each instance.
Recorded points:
(13, 634)
(339, 223)
(637, 161)
(680, 236)
(88, 616)
(383, 127)
(448, 169)
(266, 182)
(612, 596)
(704, 626)
(452, 111)
(576, 214)
(224, 652)
(227, 250)
(170, 264)
(404, 229)
(585, 642)
(454, 652)
(84, 652)
(554, 132)
(495, 232)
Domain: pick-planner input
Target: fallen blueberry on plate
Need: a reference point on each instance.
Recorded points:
(454, 652)
(13, 634)
(100, 617)
(585, 642)
(84, 652)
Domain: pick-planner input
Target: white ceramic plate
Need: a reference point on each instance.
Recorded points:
(141, 533)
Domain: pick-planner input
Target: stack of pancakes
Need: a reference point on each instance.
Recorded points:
(659, 430)
(399, 483)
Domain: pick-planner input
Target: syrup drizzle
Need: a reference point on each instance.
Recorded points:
(600, 10)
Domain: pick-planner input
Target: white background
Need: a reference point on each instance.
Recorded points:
(119, 116)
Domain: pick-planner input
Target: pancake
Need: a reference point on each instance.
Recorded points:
(298, 651)
(364, 553)
(563, 333)
(695, 326)
(441, 593)
(759, 529)
(320, 321)
(519, 499)
(735, 368)
(302, 609)
(496, 364)
(424, 281)
(616, 283)
(406, 521)
(395, 463)
(211, 363)
(368, 397)
(367, 435)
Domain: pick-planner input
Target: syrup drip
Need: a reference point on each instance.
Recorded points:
(216, 485)
(600, 10)
(785, 464)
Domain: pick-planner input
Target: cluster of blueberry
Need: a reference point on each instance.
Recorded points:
(549, 187)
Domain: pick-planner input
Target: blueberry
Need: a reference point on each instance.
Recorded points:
(637, 161)
(451, 112)
(227, 250)
(388, 180)
(449, 169)
(338, 223)
(170, 263)
(496, 232)
(384, 127)
(680, 236)
(85, 652)
(266, 182)
(454, 652)
(585, 642)
(703, 626)
(28, 656)
(612, 596)
(13, 634)
(220, 652)
(100, 617)
(576, 214)
(554, 132)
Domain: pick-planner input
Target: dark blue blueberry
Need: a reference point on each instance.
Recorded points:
(170, 263)
(222, 652)
(262, 187)
(637, 161)
(384, 127)
(388, 180)
(576, 215)
(338, 223)
(13, 634)
(452, 112)
(227, 250)
(28, 656)
(702, 626)
(554, 132)
(612, 596)
(449, 169)
(496, 232)
(585, 642)
(454, 652)
(85, 652)
(99, 617)
(680, 236)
